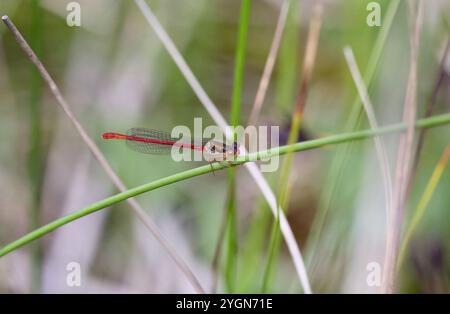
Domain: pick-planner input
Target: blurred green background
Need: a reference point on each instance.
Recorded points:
(115, 74)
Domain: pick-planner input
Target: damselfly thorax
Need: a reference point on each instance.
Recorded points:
(216, 151)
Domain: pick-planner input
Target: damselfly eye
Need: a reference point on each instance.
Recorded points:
(213, 148)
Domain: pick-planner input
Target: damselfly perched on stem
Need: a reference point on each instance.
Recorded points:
(156, 142)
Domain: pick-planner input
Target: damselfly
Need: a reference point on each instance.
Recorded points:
(150, 141)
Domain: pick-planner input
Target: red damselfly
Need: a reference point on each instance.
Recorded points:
(151, 141)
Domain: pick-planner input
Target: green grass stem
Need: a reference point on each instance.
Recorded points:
(236, 101)
(301, 146)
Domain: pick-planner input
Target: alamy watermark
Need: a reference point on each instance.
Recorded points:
(374, 17)
(74, 16)
(373, 278)
(73, 277)
(218, 147)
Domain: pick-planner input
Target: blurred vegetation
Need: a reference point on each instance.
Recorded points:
(116, 74)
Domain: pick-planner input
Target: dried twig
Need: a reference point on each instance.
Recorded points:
(270, 62)
(310, 57)
(379, 143)
(428, 112)
(312, 43)
(404, 157)
(138, 210)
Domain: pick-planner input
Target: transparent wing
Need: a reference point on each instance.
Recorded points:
(147, 147)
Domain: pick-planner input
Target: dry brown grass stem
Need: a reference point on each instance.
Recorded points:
(404, 157)
(428, 111)
(270, 62)
(380, 146)
(310, 57)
